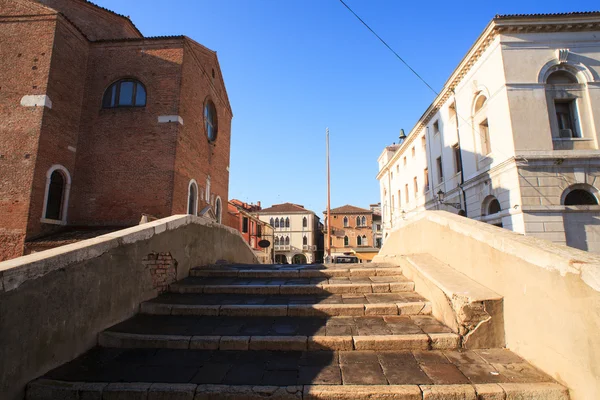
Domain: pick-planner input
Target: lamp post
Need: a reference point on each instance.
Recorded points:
(441, 196)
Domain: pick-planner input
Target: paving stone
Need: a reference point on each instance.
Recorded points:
(205, 342)
(463, 357)
(500, 356)
(534, 391)
(89, 390)
(448, 392)
(172, 391)
(280, 378)
(259, 310)
(444, 374)
(444, 341)
(405, 374)
(319, 375)
(319, 358)
(362, 392)
(430, 357)
(330, 343)
(363, 374)
(287, 343)
(244, 374)
(248, 392)
(358, 357)
(192, 309)
(149, 307)
(44, 389)
(391, 342)
(234, 342)
(380, 287)
(413, 308)
(341, 330)
(520, 373)
(481, 373)
(126, 391)
(381, 309)
(489, 391)
(396, 357)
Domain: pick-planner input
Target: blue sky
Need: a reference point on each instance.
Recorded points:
(294, 67)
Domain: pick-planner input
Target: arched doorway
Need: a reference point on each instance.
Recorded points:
(280, 259)
(299, 259)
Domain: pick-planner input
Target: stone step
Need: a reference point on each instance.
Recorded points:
(295, 273)
(124, 374)
(374, 284)
(406, 303)
(281, 333)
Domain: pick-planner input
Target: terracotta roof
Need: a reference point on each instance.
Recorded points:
(348, 209)
(558, 15)
(283, 208)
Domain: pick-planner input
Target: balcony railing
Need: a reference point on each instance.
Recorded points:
(282, 247)
(309, 247)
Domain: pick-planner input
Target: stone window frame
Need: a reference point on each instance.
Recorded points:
(580, 186)
(479, 116)
(65, 196)
(572, 93)
(208, 103)
(219, 209)
(194, 184)
(346, 222)
(117, 85)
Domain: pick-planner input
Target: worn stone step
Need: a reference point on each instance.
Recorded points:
(113, 374)
(406, 303)
(281, 333)
(232, 285)
(295, 273)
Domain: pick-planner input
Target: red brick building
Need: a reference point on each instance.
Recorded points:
(101, 124)
(242, 218)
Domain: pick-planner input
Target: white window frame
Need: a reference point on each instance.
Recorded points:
(187, 206)
(65, 200)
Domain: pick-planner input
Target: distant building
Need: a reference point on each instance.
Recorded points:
(351, 232)
(377, 227)
(296, 232)
(241, 217)
(512, 138)
(101, 125)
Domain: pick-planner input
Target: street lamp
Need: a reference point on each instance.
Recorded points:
(441, 196)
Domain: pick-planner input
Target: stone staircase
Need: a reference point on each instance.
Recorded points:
(349, 331)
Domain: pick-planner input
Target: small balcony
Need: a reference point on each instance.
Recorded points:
(283, 247)
(309, 247)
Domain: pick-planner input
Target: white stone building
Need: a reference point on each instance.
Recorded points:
(512, 138)
(295, 232)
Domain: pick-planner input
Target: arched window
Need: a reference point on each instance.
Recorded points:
(125, 93)
(272, 222)
(358, 241)
(58, 185)
(210, 120)
(304, 240)
(364, 241)
(481, 123)
(346, 241)
(276, 222)
(218, 209)
(287, 240)
(580, 195)
(276, 241)
(345, 222)
(363, 221)
(494, 207)
(192, 198)
(282, 240)
(562, 94)
(357, 221)
(287, 222)
(304, 222)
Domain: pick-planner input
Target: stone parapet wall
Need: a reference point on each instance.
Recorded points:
(551, 293)
(55, 302)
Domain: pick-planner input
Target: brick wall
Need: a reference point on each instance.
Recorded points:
(163, 270)
(125, 156)
(197, 158)
(25, 56)
(95, 22)
(352, 230)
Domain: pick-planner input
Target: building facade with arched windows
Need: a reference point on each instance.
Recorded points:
(107, 125)
(297, 232)
(352, 232)
(514, 131)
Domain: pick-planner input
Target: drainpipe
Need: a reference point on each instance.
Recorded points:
(462, 166)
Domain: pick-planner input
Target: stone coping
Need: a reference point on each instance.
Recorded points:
(15, 272)
(539, 252)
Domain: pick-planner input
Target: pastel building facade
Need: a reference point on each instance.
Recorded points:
(512, 138)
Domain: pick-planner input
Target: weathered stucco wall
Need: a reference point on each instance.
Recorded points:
(551, 292)
(54, 303)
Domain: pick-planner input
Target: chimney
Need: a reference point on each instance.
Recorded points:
(258, 204)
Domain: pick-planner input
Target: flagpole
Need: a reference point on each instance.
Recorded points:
(328, 199)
